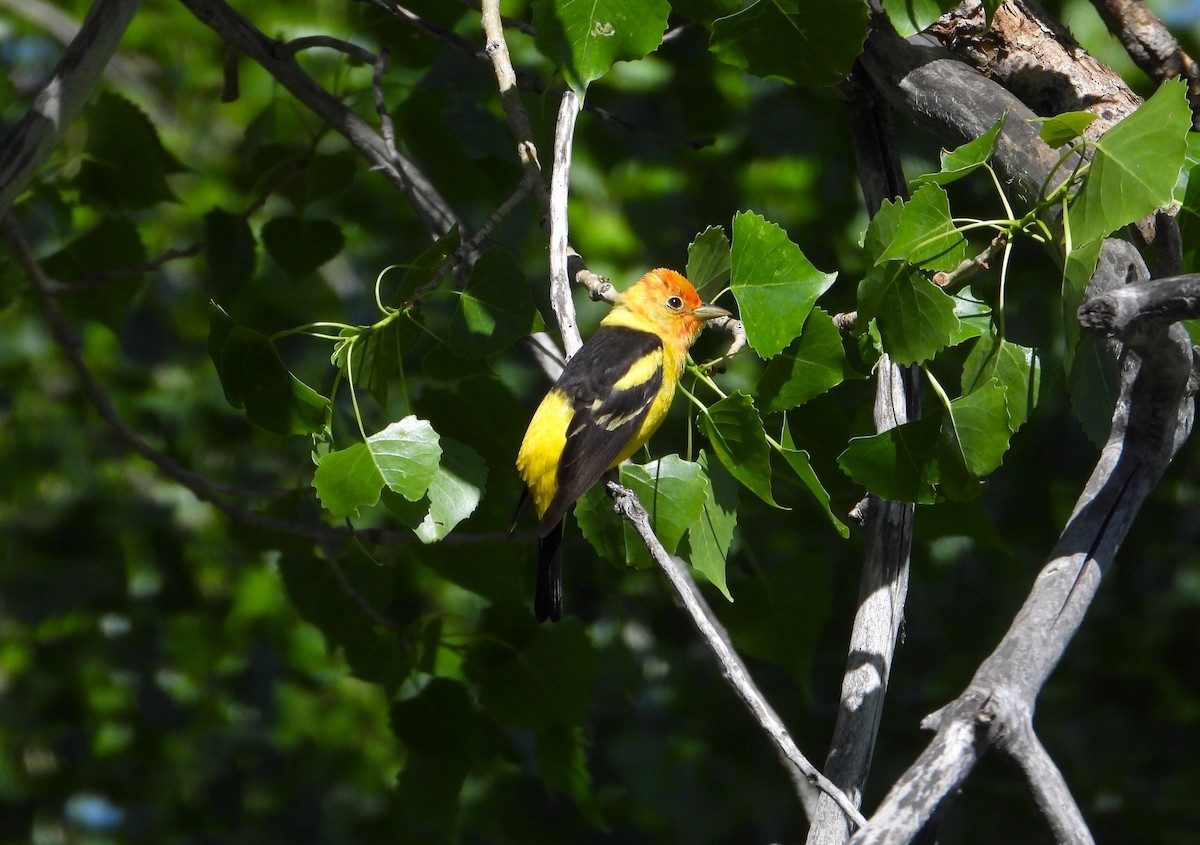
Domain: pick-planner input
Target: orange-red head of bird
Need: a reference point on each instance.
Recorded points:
(668, 303)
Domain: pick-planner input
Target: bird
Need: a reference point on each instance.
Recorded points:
(610, 398)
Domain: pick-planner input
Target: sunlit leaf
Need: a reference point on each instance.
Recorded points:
(407, 455)
(454, 491)
(965, 159)
(673, 492)
(1065, 128)
(1017, 368)
(586, 38)
(915, 317)
(925, 233)
(1135, 166)
(774, 284)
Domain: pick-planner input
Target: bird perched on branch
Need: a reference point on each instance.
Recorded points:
(609, 399)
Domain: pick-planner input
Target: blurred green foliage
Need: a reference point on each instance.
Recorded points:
(169, 674)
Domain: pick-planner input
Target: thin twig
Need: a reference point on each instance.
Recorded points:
(308, 42)
(717, 640)
(506, 80)
(436, 214)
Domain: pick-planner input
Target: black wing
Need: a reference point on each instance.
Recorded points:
(605, 417)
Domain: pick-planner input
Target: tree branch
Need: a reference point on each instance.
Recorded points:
(1151, 46)
(26, 146)
(883, 585)
(436, 214)
(717, 640)
(560, 180)
(1153, 418)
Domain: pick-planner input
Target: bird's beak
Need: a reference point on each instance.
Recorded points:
(710, 312)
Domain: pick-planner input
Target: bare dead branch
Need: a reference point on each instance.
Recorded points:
(28, 144)
(717, 640)
(1034, 56)
(328, 42)
(506, 80)
(1046, 784)
(436, 214)
(1153, 418)
(883, 585)
(560, 180)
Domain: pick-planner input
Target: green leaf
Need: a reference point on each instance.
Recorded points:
(924, 233)
(1065, 128)
(709, 262)
(915, 317)
(1135, 166)
(966, 159)
(494, 310)
(601, 526)
(585, 38)
(673, 492)
(300, 245)
(454, 491)
(1017, 368)
(735, 430)
(229, 252)
(806, 43)
(898, 464)
(774, 284)
(798, 460)
(813, 363)
(420, 270)
(373, 356)
(974, 317)
(912, 16)
(407, 454)
(705, 11)
(706, 544)
(254, 377)
(1078, 267)
(125, 163)
(347, 480)
(977, 424)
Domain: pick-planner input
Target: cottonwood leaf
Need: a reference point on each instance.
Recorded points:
(805, 42)
(813, 363)
(774, 283)
(1135, 167)
(709, 262)
(735, 430)
(586, 37)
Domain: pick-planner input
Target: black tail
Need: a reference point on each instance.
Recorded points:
(548, 600)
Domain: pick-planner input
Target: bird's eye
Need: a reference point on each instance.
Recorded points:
(675, 302)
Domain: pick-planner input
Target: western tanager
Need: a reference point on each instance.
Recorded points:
(610, 398)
